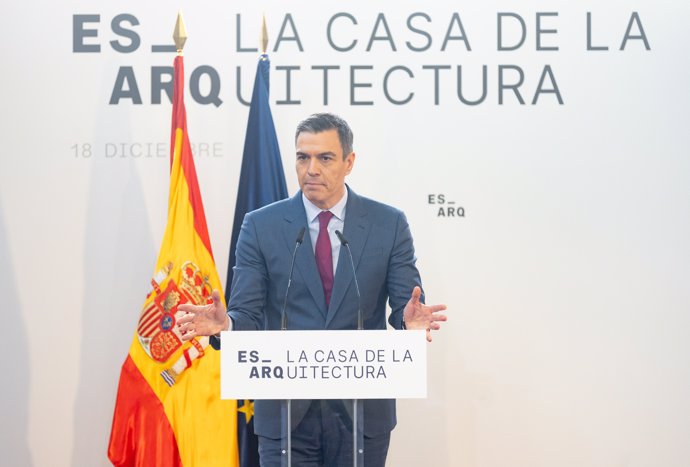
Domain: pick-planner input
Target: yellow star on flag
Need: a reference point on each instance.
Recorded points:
(247, 409)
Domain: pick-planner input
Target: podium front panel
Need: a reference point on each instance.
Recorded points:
(323, 364)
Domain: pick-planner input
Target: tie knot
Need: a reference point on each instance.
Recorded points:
(324, 218)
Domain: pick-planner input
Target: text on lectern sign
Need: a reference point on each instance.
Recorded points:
(323, 364)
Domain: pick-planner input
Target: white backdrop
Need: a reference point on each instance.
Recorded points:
(567, 280)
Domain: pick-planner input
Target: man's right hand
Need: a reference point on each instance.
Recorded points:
(203, 320)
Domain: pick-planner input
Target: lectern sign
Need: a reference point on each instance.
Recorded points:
(323, 364)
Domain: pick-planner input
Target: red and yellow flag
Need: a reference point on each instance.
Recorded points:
(168, 411)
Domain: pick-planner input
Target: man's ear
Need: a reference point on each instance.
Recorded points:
(350, 161)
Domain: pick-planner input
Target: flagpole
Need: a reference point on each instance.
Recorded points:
(264, 46)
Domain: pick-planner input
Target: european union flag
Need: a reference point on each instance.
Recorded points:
(262, 181)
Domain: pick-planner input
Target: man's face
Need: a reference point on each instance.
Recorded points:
(321, 169)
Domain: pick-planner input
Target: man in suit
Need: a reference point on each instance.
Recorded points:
(322, 293)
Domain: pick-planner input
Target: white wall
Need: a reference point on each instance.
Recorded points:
(567, 280)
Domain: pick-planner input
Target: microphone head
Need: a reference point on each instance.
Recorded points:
(300, 236)
(341, 238)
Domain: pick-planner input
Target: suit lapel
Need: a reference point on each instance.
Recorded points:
(356, 231)
(305, 263)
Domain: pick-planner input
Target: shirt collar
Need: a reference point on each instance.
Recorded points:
(338, 210)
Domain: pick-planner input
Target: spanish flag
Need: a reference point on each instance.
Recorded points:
(168, 411)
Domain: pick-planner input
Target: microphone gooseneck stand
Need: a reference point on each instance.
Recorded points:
(283, 327)
(357, 452)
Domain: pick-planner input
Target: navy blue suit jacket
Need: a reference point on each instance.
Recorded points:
(384, 258)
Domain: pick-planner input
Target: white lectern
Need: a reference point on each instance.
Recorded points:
(339, 366)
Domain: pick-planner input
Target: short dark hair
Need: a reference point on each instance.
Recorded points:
(317, 123)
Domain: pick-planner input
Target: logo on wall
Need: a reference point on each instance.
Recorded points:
(406, 77)
(444, 206)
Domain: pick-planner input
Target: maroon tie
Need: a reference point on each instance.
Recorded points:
(324, 255)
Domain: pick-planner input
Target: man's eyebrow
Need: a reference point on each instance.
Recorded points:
(327, 153)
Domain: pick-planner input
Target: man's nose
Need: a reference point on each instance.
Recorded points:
(314, 167)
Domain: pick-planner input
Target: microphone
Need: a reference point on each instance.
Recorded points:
(283, 313)
(346, 244)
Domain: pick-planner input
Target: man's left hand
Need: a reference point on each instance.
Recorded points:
(417, 315)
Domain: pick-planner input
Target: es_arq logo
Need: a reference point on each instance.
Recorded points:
(445, 207)
(356, 72)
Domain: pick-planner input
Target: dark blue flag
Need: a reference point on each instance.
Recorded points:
(262, 181)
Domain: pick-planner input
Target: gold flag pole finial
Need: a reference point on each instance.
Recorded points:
(180, 33)
(264, 35)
